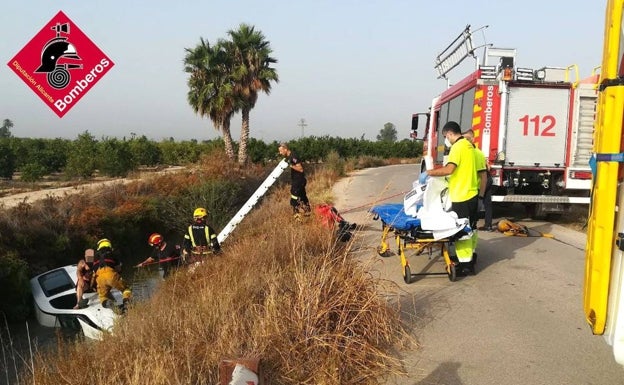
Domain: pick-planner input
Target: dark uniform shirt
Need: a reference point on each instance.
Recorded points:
(106, 257)
(170, 251)
(196, 235)
(295, 176)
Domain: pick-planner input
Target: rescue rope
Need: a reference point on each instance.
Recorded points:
(164, 260)
(509, 228)
(370, 204)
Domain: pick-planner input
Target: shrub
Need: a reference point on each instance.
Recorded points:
(14, 280)
(335, 163)
(32, 172)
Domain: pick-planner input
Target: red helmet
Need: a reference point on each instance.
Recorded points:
(155, 239)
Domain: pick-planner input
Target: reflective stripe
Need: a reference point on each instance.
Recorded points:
(208, 235)
(200, 250)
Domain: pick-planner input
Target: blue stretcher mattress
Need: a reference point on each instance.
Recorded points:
(392, 214)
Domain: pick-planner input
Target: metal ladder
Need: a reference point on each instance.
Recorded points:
(260, 191)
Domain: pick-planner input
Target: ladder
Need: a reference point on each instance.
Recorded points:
(260, 191)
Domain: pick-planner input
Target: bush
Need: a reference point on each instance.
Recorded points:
(14, 281)
(335, 163)
(7, 159)
(32, 172)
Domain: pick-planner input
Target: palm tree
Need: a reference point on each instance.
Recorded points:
(252, 73)
(211, 90)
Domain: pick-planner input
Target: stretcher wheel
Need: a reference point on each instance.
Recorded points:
(384, 253)
(407, 274)
(473, 264)
(452, 272)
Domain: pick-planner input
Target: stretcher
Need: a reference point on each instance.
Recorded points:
(409, 235)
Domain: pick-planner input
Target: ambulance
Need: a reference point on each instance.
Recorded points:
(604, 260)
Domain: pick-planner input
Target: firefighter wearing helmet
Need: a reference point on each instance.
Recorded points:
(200, 239)
(107, 268)
(163, 253)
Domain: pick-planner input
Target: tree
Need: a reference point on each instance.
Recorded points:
(81, 160)
(7, 159)
(211, 91)
(145, 152)
(115, 157)
(5, 130)
(252, 73)
(388, 133)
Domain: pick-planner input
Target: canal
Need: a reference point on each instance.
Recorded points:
(22, 340)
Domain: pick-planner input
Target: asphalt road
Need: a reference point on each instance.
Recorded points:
(519, 320)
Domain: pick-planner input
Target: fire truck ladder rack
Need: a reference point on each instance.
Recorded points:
(260, 191)
(456, 52)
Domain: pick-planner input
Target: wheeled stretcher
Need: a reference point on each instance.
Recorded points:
(409, 235)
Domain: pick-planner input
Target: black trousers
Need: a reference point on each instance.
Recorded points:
(487, 203)
(298, 196)
(468, 209)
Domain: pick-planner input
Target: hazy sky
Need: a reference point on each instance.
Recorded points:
(347, 67)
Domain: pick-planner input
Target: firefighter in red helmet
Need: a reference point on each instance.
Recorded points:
(165, 254)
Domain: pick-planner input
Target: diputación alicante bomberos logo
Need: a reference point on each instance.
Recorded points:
(60, 64)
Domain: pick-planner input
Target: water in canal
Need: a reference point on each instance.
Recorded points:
(19, 340)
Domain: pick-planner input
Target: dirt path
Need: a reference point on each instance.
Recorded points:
(14, 200)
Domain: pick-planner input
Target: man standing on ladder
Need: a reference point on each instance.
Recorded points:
(298, 198)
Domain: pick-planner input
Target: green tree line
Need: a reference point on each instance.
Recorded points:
(82, 157)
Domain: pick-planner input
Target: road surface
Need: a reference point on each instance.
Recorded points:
(519, 320)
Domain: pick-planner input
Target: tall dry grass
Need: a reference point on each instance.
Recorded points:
(283, 291)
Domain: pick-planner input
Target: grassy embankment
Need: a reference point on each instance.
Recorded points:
(283, 291)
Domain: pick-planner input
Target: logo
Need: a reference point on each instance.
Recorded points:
(60, 64)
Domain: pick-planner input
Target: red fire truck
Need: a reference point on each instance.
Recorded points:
(535, 126)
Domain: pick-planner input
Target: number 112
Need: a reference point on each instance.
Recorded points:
(545, 129)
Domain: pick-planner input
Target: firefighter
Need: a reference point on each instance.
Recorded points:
(107, 269)
(298, 197)
(199, 239)
(164, 253)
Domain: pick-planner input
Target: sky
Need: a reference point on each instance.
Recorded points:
(346, 67)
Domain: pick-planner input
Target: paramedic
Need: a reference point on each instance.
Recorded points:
(107, 275)
(164, 253)
(485, 189)
(462, 170)
(298, 197)
(199, 239)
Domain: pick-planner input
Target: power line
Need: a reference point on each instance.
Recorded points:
(303, 125)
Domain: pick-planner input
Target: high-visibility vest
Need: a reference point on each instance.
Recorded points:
(207, 232)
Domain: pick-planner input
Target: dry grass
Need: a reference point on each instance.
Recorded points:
(283, 291)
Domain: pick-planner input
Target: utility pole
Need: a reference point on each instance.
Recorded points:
(302, 124)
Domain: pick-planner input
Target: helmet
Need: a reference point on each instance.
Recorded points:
(155, 239)
(102, 243)
(504, 225)
(200, 212)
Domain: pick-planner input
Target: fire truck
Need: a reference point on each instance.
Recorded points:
(535, 126)
(604, 252)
